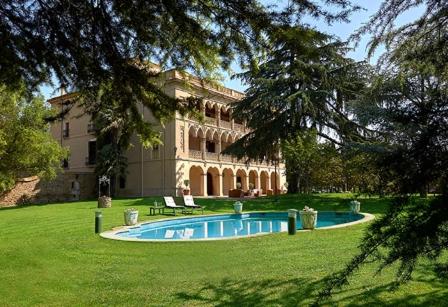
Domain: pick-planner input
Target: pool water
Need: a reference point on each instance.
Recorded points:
(227, 226)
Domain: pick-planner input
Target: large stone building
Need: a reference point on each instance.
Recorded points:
(190, 150)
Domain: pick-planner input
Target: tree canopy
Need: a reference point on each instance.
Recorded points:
(26, 146)
(303, 84)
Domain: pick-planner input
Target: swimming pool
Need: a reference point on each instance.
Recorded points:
(225, 226)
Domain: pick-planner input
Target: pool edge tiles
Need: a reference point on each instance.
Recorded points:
(114, 234)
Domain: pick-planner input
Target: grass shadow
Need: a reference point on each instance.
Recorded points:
(302, 292)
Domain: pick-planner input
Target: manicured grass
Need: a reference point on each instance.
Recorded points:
(50, 256)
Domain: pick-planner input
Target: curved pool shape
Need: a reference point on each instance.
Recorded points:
(226, 226)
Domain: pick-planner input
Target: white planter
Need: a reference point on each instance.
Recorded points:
(130, 217)
(308, 219)
(238, 207)
(355, 206)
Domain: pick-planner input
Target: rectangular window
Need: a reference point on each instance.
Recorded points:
(155, 152)
(91, 159)
(210, 146)
(122, 182)
(66, 131)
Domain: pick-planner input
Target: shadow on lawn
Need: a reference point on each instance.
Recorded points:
(299, 292)
(285, 202)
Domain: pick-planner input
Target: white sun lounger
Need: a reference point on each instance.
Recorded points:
(170, 204)
(189, 204)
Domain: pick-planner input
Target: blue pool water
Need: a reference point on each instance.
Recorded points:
(227, 226)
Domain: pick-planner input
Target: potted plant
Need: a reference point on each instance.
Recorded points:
(186, 190)
(238, 185)
(238, 207)
(308, 218)
(355, 206)
(130, 216)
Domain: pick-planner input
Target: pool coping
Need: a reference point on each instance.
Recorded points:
(112, 234)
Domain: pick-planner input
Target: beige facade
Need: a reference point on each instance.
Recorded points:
(190, 150)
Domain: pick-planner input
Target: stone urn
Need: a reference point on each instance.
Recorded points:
(238, 207)
(130, 216)
(104, 202)
(308, 218)
(355, 206)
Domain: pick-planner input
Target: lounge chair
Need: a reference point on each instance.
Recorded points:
(189, 204)
(170, 204)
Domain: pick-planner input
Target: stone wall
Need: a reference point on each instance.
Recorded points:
(35, 190)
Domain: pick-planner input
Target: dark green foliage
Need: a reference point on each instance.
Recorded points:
(101, 48)
(303, 84)
(26, 146)
(407, 103)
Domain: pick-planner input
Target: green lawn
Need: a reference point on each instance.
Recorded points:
(50, 256)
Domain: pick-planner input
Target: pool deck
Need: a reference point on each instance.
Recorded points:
(112, 234)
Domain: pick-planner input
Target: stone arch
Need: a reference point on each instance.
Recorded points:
(194, 141)
(213, 182)
(228, 182)
(200, 132)
(241, 177)
(224, 113)
(225, 140)
(193, 131)
(253, 179)
(210, 109)
(264, 182)
(196, 181)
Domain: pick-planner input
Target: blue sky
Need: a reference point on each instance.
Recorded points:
(341, 30)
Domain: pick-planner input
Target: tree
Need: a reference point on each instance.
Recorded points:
(303, 84)
(101, 48)
(300, 155)
(26, 146)
(407, 102)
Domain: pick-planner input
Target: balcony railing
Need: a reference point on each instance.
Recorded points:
(225, 124)
(210, 120)
(226, 158)
(195, 154)
(238, 127)
(212, 156)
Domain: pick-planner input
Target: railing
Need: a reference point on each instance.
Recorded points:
(212, 156)
(238, 127)
(226, 158)
(195, 154)
(225, 124)
(210, 120)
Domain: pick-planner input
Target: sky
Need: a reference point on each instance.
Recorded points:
(341, 30)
